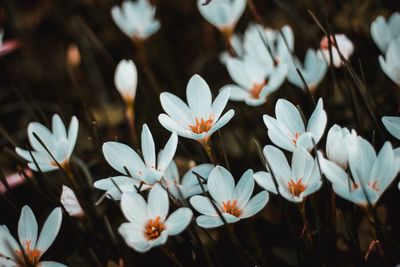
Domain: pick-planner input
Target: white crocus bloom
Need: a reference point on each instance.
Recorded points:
(201, 117)
(148, 224)
(34, 246)
(338, 143)
(371, 174)
(125, 79)
(234, 202)
(287, 130)
(58, 141)
(254, 80)
(383, 32)
(392, 124)
(313, 70)
(294, 182)
(136, 19)
(222, 14)
(390, 64)
(71, 203)
(134, 169)
(189, 184)
(344, 46)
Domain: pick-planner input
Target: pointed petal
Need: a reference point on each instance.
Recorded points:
(287, 114)
(198, 95)
(392, 124)
(244, 189)
(203, 205)
(50, 230)
(27, 227)
(221, 184)
(178, 221)
(220, 102)
(157, 203)
(265, 180)
(255, 204)
(148, 147)
(176, 109)
(317, 122)
(134, 207)
(168, 152)
(221, 122)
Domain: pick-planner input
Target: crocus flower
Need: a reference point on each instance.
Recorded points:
(295, 182)
(237, 47)
(202, 117)
(34, 246)
(234, 202)
(70, 202)
(125, 80)
(392, 124)
(136, 19)
(254, 80)
(287, 130)
(59, 143)
(189, 184)
(342, 45)
(371, 174)
(383, 32)
(313, 70)
(148, 224)
(15, 179)
(7, 46)
(338, 143)
(223, 14)
(135, 170)
(390, 65)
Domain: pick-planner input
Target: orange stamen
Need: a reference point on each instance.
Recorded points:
(296, 188)
(154, 228)
(231, 208)
(296, 137)
(374, 185)
(202, 126)
(256, 89)
(32, 255)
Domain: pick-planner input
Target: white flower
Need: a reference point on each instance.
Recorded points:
(255, 81)
(392, 124)
(223, 14)
(148, 224)
(390, 64)
(136, 19)
(125, 80)
(189, 184)
(202, 117)
(237, 46)
(34, 246)
(313, 70)
(135, 170)
(287, 130)
(70, 202)
(58, 142)
(295, 182)
(344, 45)
(383, 32)
(370, 172)
(234, 203)
(338, 143)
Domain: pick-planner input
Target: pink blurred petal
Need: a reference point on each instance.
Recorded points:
(9, 46)
(14, 180)
(71, 203)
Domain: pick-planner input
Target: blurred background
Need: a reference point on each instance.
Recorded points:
(63, 60)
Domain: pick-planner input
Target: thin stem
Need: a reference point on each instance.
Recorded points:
(209, 150)
(130, 118)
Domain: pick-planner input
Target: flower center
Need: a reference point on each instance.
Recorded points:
(296, 137)
(256, 89)
(296, 188)
(202, 126)
(32, 255)
(154, 228)
(231, 208)
(374, 185)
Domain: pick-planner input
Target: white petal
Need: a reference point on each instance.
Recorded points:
(70, 202)
(178, 221)
(50, 230)
(72, 134)
(221, 184)
(176, 108)
(255, 204)
(168, 152)
(278, 133)
(244, 189)
(157, 203)
(8, 244)
(221, 122)
(265, 180)
(219, 103)
(317, 122)
(203, 205)
(198, 95)
(392, 124)
(58, 127)
(287, 114)
(134, 207)
(148, 147)
(27, 227)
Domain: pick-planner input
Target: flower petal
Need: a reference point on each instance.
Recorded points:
(317, 122)
(287, 114)
(176, 109)
(392, 124)
(134, 207)
(255, 204)
(203, 205)
(148, 147)
(168, 152)
(198, 96)
(50, 230)
(244, 189)
(265, 180)
(220, 102)
(27, 227)
(157, 203)
(178, 221)
(221, 184)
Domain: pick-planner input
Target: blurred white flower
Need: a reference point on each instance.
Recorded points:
(254, 81)
(383, 32)
(223, 14)
(295, 182)
(34, 246)
(148, 224)
(234, 202)
(59, 143)
(71, 203)
(189, 184)
(125, 160)
(344, 46)
(390, 64)
(125, 79)
(287, 130)
(202, 117)
(237, 47)
(338, 143)
(313, 70)
(392, 125)
(136, 19)
(371, 174)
